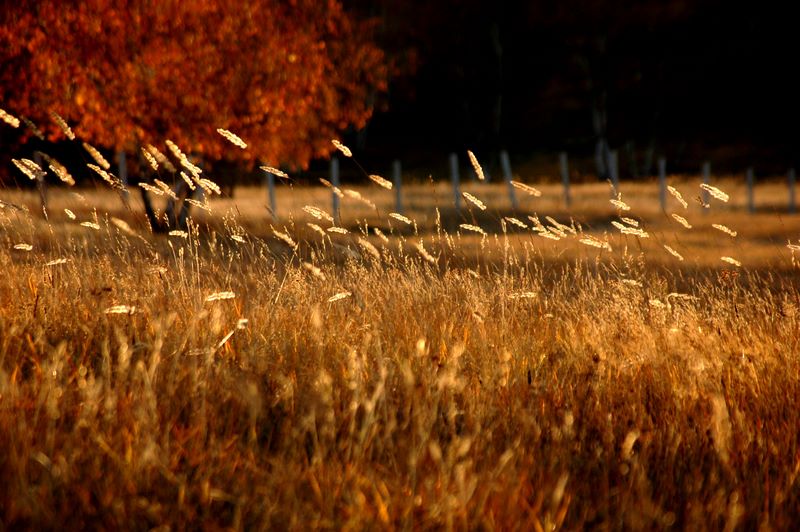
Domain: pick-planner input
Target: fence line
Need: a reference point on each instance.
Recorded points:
(505, 162)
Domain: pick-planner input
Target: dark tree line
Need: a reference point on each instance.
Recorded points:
(683, 79)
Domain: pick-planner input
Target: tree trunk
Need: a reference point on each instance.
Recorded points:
(155, 224)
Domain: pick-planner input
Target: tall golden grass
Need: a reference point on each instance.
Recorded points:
(547, 371)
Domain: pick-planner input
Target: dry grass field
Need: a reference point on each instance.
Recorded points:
(252, 373)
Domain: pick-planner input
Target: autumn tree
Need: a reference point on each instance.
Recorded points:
(284, 76)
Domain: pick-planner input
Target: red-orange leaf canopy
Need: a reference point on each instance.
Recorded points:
(285, 76)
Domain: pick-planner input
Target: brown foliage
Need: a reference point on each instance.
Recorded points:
(285, 76)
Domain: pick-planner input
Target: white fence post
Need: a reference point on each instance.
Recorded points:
(613, 163)
(792, 180)
(563, 163)
(335, 183)
(750, 178)
(455, 180)
(397, 180)
(505, 162)
(662, 183)
(122, 170)
(704, 196)
(273, 207)
(41, 184)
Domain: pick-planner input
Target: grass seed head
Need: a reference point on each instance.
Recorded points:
(219, 296)
(731, 260)
(338, 297)
(97, 156)
(188, 180)
(9, 119)
(318, 213)
(62, 124)
(725, 229)
(59, 169)
(715, 192)
(473, 228)
(476, 165)
(275, 172)
(289, 241)
(522, 295)
(342, 148)
(678, 196)
(399, 217)
(313, 270)
(32, 170)
(380, 181)
(109, 178)
(424, 253)
(516, 221)
(681, 220)
(592, 241)
(232, 138)
(473, 200)
(619, 204)
(120, 309)
(535, 192)
(32, 128)
(673, 252)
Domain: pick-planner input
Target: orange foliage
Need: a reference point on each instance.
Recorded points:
(285, 76)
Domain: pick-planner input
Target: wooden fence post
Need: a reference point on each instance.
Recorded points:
(122, 170)
(455, 180)
(41, 184)
(335, 183)
(397, 180)
(750, 178)
(662, 183)
(273, 207)
(563, 163)
(792, 180)
(704, 196)
(505, 162)
(613, 164)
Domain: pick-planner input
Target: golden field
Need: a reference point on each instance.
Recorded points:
(254, 373)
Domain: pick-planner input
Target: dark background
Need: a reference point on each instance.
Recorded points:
(689, 81)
